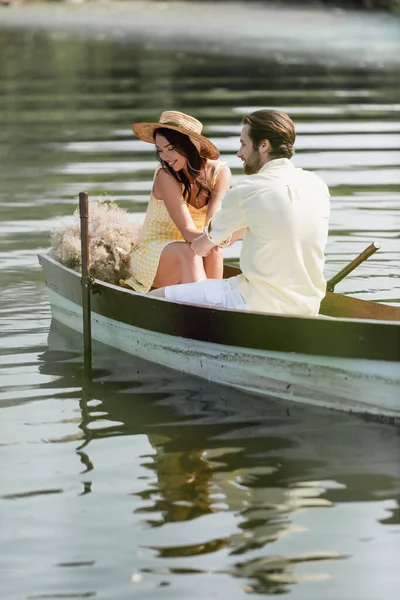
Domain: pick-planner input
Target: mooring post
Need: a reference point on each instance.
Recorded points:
(86, 285)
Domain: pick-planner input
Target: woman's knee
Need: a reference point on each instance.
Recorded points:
(179, 259)
(186, 253)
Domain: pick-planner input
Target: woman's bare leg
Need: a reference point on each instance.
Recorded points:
(213, 264)
(178, 264)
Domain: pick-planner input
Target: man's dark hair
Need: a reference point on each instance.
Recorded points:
(276, 127)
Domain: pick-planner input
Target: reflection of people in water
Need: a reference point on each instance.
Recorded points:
(205, 469)
(184, 481)
(193, 484)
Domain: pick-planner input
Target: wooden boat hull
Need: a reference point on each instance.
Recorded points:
(346, 364)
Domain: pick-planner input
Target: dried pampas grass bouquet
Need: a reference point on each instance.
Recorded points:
(112, 235)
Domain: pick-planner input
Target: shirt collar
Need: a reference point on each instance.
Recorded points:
(277, 162)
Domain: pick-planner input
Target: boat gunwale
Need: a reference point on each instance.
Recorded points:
(363, 339)
(100, 283)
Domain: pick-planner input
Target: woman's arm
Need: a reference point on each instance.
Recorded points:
(222, 185)
(169, 190)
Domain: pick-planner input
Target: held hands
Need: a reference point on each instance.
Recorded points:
(202, 246)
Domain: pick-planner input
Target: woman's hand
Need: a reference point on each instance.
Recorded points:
(202, 246)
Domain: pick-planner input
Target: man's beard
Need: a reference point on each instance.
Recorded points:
(253, 164)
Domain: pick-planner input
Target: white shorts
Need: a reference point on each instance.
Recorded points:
(210, 292)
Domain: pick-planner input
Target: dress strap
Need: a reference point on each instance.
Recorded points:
(156, 172)
(217, 171)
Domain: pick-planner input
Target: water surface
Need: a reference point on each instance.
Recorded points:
(149, 482)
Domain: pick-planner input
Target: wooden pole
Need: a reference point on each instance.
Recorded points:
(371, 249)
(86, 284)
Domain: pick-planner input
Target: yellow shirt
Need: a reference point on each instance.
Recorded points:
(159, 230)
(285, 211)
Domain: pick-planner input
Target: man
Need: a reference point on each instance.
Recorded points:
(282, 213)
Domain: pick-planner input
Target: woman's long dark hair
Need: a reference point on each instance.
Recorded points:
(195, 163)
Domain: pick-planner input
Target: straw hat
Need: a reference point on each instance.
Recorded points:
(178, 122)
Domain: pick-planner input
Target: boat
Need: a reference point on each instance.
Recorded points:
(347, 358)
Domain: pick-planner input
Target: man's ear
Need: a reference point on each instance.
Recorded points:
(264, 146)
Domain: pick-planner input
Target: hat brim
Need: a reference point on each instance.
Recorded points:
(145, 132)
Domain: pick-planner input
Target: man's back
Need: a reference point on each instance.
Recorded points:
(286, 216)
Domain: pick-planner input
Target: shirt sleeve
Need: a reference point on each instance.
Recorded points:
(227, 220)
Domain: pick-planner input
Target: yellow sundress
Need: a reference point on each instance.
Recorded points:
(159, 230)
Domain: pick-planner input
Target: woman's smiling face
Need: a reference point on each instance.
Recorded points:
(168, 154)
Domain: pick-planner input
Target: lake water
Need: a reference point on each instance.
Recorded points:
(149, 483)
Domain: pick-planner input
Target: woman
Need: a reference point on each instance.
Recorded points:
(187, 191)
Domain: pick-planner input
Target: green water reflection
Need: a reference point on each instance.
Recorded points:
(152, 477)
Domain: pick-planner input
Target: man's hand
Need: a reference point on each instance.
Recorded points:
(202, 245)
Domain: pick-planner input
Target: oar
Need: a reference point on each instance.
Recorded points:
(369, 251)
(86, 284)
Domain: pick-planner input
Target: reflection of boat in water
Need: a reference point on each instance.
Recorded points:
(350, 362)
(230, 482)
(227, 472)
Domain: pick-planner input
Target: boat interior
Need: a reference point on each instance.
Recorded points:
(342, 306)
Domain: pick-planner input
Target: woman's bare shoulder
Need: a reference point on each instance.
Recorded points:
(162, 173)
(215, 167)
(163, 177)
(215, 164)
(220, 175)
(212, 163)
(164, 183)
